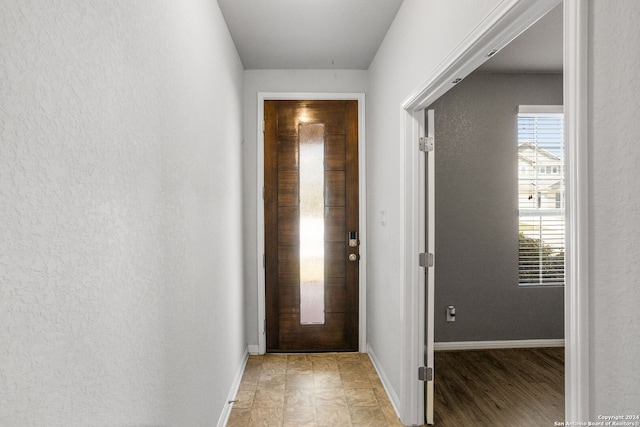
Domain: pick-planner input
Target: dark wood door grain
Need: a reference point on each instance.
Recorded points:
(284, 331)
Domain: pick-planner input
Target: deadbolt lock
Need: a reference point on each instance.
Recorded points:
(353, 239)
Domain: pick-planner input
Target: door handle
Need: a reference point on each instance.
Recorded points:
(354, 257)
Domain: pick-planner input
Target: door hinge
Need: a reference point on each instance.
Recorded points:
(425, 259)
(425, 374)
(264, 260)
(263, 126)
(426, 144)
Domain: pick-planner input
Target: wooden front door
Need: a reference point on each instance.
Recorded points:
(311, 225)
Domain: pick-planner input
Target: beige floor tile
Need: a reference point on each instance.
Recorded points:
(391, 416)
(299, 363)
(322, 356)
(348, 357)
(253, 370)
(350, 380)
(312, 390)
(266, 417)
(327, 380)
(297, 398)
(323, 359)
(375, 381)
(244, 399)
(299, 381)
(325, 365)
(249, 383)
(364, 357)
(367, 417)
(239, 417)
(300, 417)
(298, 357)
(382, 397)
(275, 357)
(300, 368)
(330, 397)
(271, 382)
(275, 367)
(361, 397)
(255, 360)
(275, 364)
(334, 416)
(268, 399)
(355, 368)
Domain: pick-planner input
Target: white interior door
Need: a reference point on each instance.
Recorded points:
(429, 266)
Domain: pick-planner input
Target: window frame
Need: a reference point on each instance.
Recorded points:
(544, 279)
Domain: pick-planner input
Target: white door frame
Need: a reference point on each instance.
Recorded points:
(505, 22)
(362, 309)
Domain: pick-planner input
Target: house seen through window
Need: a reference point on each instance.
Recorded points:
(541, 195)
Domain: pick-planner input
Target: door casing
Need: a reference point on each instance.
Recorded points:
(360, 97)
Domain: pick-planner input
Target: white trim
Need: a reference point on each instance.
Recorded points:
(360, 97)
(505, 22)
(254, 349)
(413, 331)
(540, 109)
(576, 21)
(235, 385)
(487, 345)
(393, 397)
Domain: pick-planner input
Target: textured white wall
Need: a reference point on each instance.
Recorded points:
(419, 39)
(255, 81)
(614, 116)
(120, 203)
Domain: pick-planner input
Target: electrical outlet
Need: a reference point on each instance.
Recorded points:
(451, 314)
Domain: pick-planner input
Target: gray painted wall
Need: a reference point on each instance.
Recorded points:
(477, 213)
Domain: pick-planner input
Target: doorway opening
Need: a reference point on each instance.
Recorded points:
(500, 230)
(498, 30)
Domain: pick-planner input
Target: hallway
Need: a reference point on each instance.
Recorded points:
(131, 260)
(326, 389)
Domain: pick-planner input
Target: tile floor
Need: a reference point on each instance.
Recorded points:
(298, 390)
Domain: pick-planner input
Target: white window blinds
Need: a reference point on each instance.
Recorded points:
(541, 191)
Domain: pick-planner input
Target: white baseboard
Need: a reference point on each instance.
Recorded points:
(254, 349)
(393, 397)
(485, 345)
(226, 411)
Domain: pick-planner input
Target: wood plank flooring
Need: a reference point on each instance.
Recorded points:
(499, 387)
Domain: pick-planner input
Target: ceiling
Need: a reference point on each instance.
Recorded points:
(537, 50)
(346, 34)
(308, 34)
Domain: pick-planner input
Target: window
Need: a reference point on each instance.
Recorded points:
(541, 198)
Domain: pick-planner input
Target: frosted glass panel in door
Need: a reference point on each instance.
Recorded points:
(311, 161)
